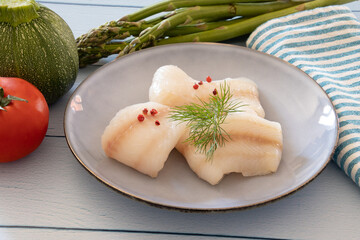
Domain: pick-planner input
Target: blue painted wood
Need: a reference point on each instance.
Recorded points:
(49, 195)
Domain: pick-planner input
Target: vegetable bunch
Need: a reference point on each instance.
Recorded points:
(175, 21)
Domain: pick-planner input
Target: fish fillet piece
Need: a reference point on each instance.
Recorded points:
(142, 145)
(171, 86)
(254, 148)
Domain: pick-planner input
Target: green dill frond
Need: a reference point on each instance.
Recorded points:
(204, 120)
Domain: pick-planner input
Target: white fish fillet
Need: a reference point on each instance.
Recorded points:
(255, 148)
(143, 146)
(171, 86)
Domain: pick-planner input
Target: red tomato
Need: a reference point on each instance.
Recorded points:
(23, 125)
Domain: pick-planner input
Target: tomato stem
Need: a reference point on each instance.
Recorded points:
(4, 101)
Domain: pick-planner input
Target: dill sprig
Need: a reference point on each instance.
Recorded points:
(204, 120)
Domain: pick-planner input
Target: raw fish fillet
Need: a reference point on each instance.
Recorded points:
(144, 145)
(171, 86)
(254, 145)
(254, 148)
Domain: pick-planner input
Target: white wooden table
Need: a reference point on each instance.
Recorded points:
(49, 195)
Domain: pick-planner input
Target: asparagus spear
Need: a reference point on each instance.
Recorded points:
(129, 24)
(122, 30)
(89, 55)
(206, 31)
(114, 30)
(225, 11)
(247, 26)
(181, 30)
(170, 5)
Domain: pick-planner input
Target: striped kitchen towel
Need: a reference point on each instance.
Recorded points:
(324, 43)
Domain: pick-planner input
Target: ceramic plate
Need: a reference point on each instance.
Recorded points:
(289, 96)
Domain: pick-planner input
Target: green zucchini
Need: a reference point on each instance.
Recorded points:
(37, 45)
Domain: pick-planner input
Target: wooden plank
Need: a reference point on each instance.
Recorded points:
(21, 233)
(49, 188)
(49, 195)
(82, 18)
(354, 6)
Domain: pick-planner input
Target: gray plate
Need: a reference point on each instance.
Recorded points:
(288, 95)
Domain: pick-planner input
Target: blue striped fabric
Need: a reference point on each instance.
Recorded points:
(324, 43)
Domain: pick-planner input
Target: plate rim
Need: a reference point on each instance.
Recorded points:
(195, 209)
